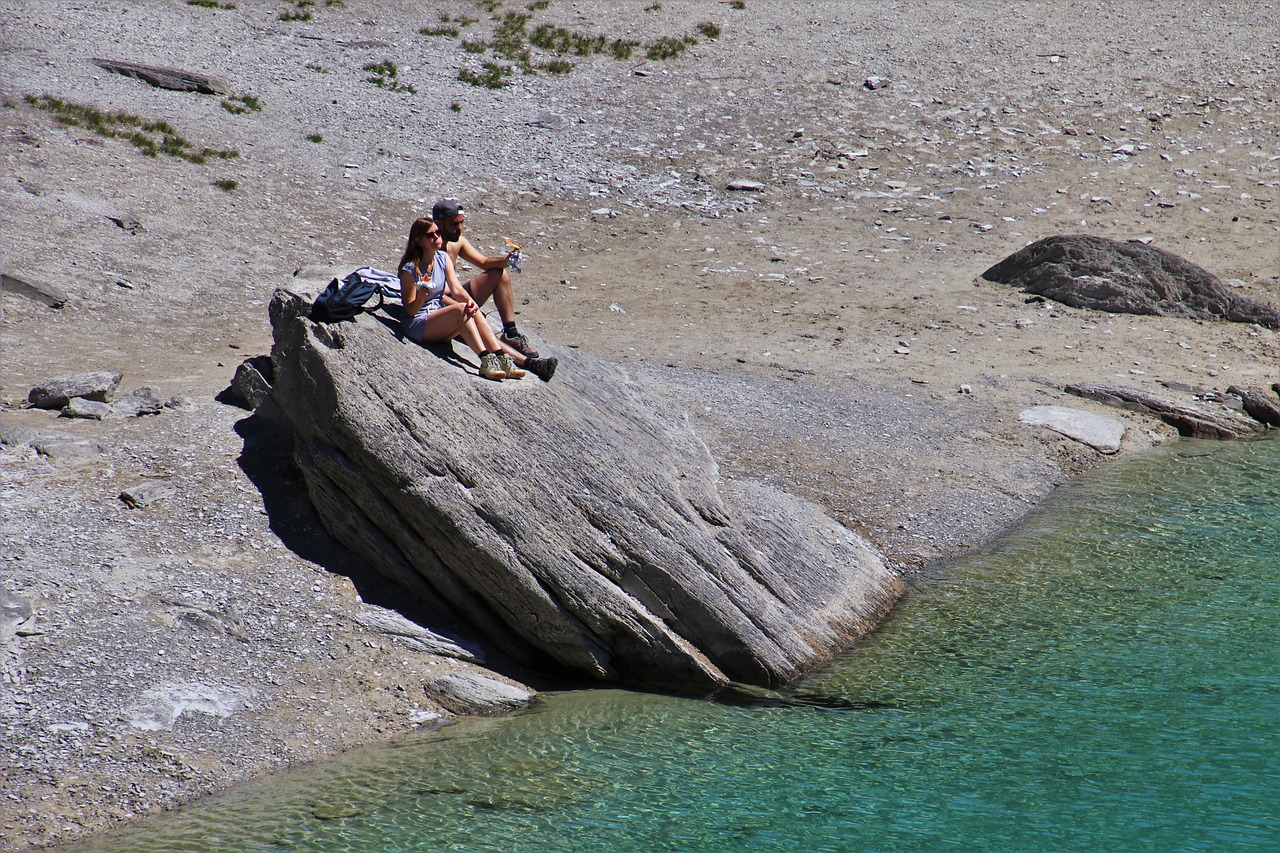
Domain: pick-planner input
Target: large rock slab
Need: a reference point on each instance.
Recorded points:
(1125, 278)
(577, 523)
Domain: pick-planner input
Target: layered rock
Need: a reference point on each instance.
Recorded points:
(577, 522)
(1125, 278)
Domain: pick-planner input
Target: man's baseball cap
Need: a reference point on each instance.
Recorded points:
(446, 208)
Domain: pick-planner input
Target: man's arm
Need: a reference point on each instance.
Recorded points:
(477, 260)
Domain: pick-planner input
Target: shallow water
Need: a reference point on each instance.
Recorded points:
(1104, 677)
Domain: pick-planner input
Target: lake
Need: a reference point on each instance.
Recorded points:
(1103, 677)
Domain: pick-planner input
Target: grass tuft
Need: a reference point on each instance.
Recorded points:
(385, 75)
(492, 76)
(226, 184)
(241, 104)
(152, 138)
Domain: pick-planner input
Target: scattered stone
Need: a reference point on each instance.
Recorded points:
(167, 78)
(147, 493)
(145, 400)
(128, 223)
(56, 393)
(40, 291)
(873, 83)
(744, 185)
(251, 384)
(469, 693)
(79, 407)
(420, 718)
(181, 403)
(1259, 407)
(391, 623)
(1098, 431)
(1125, 278)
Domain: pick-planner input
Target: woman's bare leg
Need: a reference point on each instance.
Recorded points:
(450, 322)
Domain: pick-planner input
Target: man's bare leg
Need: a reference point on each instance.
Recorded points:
(497, 283)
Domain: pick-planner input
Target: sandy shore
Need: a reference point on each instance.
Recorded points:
(819, 328)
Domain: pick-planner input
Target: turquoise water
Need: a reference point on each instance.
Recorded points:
(1103, 678)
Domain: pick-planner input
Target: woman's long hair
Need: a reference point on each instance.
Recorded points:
(413, 250)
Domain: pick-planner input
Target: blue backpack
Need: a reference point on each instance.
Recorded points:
(344, 299)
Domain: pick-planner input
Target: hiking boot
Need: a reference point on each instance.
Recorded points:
(491, 367)
(520, 343)
(509, 367)
(543, 368)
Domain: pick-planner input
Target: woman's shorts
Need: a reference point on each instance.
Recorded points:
(413, 326)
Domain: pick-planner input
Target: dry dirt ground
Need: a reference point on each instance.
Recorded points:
(819, 329)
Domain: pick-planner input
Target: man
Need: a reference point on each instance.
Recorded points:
(493, 279)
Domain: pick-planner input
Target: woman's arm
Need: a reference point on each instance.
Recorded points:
(409, 296)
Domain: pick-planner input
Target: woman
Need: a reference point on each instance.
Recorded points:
(438, 309)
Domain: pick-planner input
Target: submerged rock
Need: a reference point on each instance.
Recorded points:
(1125, 278)
(578, 523)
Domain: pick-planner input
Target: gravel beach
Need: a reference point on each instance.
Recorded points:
(781, 227)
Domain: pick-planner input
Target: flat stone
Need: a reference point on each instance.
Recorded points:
(160, 706)
(16, 436)
(40, 291)
(548, 120)
(1098, 431)
(148, 492)
(57, 392)
(67, 448)
(743, 185)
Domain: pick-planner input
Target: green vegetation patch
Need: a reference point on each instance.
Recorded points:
(241, 104)
(211, 4)
(491, 76)
(512, 44)
(385, 74)
(226, 184)
(152, 138)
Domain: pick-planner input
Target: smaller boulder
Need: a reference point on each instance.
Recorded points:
(92, 410)
(1101, 274)
(140, 401)
(55, 393)
(469, 693)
